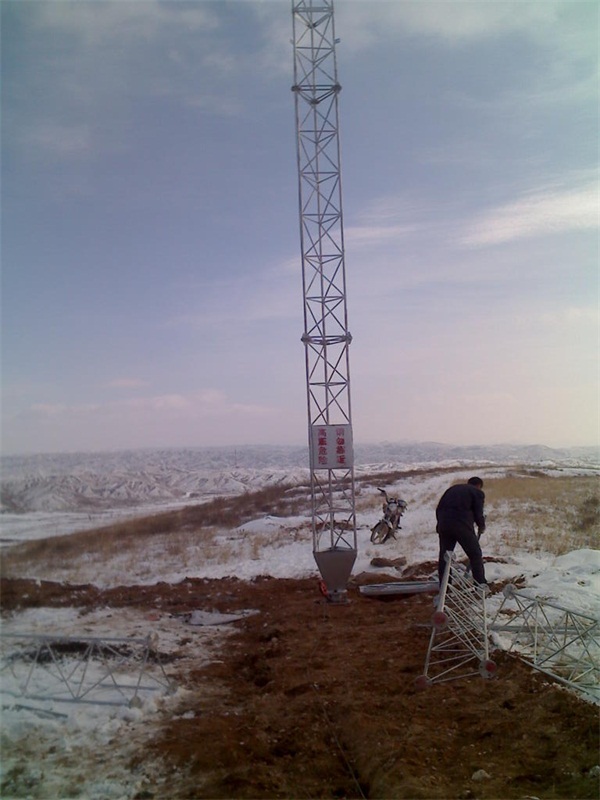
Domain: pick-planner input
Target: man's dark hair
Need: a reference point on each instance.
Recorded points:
(476, 482)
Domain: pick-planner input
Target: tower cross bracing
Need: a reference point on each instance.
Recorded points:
(326, 337)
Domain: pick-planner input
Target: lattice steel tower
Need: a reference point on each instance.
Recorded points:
(326, 337)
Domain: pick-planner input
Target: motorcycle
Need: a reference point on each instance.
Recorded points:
(393, 509)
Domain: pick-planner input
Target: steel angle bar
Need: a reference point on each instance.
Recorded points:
(560, 642)
(80, 669)
(446, 655)
(58, 639)
(460, 638)
(98, 655)
(41, 712)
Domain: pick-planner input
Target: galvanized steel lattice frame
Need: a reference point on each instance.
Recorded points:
(81, 669)
(560, 642)
(459, 641)
(326, 337)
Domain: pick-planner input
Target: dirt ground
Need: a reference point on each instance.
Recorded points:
(317, 700)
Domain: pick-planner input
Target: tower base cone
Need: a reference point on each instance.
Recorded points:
(335, 566)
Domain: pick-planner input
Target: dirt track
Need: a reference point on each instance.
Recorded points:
(314, 700)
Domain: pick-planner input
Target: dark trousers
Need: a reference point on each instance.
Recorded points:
(470, 544)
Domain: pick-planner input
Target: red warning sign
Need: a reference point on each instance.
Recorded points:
(331, 447)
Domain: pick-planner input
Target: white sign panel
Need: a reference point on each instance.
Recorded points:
(331, 447)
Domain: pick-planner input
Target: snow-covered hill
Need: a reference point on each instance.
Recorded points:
(99, 481)
(95, 482)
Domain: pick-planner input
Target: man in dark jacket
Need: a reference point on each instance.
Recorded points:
(460, 508)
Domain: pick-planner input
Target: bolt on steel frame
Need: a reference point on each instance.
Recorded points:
(326, 337)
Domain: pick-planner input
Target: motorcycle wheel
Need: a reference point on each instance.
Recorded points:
(379, 533)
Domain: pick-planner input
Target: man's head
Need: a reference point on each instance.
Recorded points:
(477, 482)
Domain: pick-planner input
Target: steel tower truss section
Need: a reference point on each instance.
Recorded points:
(558, 641)
(326, 337)
(459, 642)
(103, 671)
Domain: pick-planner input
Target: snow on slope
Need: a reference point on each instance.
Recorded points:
(276, 546)
(282, 547)
(95, 482)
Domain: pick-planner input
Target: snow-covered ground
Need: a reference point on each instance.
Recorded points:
(282, 547)
(103, 735)
(23, 527)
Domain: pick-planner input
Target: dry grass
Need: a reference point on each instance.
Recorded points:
(184, 533)
(375, 479)
(537, 512)
(531, 510)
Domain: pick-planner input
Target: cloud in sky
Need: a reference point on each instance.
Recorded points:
(62, 140)
(540, 213)
(151, 265)
(97, 23)
(170, 416)
(568, 26)
(126, 383)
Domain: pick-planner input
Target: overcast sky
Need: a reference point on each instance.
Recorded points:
(151, 279)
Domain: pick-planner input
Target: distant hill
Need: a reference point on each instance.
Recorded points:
(96, 481)
(426, 452)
